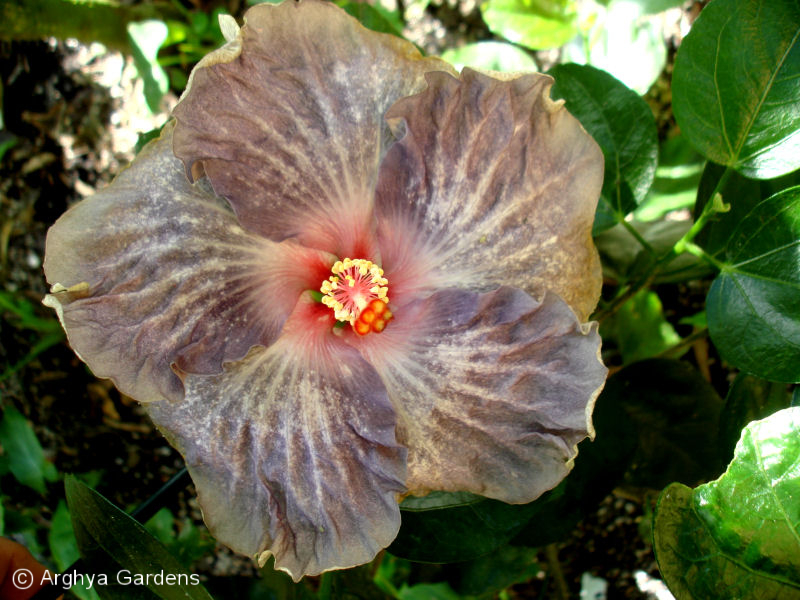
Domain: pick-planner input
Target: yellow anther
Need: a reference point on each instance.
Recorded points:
(365, 284)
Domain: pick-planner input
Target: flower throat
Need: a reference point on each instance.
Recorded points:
(357, 294)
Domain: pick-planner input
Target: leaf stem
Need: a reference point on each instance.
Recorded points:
(678, 349)
(712, 206)
(639, 237)
(697, 251)
(554, 566)
(325, 586)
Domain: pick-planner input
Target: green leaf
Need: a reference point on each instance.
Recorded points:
(494, 56)
(437, 500)
(740, 192)
(187, 544)
(8, 140)
(199, 22)
(624, 42)
(624, 127)
(427, 591)
(738, 536)
(145, 137)
(146, 38)
(24, 314)
(735, 85)
(752, 305)
(640, 329)
(61, 538)
(675, 185)
(99, 525)
(675, 415)
(486, 576)
(749, 399)
(64, 549)
(458, 532)
(269, 585)
(26, 459)
(656, 6)
(537, 24)
(624, 259)
(770, 187)
(161, 526)
(374, 16)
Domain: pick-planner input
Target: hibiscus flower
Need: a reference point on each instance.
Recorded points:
(344, 274)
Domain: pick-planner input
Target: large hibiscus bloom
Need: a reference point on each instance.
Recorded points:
(344, 274)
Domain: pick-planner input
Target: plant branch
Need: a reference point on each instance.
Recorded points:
(712, 206)
(685, 343)
(639, 237)
(91, 21)
(554, 566)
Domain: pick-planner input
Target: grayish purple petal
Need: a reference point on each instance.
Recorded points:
(158, 272)
(493, 184)
(293, 452)
(493, 391)
(291, 130)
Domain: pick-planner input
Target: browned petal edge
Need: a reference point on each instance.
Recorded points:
(492, 184)
(493, 391)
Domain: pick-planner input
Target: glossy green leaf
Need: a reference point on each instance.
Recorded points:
(494, 56)
(749, 399)
(738, 536)
(26, 459)
(675, 415)
(101, 526)
(624, 127)
(640, 329)
(736, 85)
(537, 24)
(770, 187)
(752, 305)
